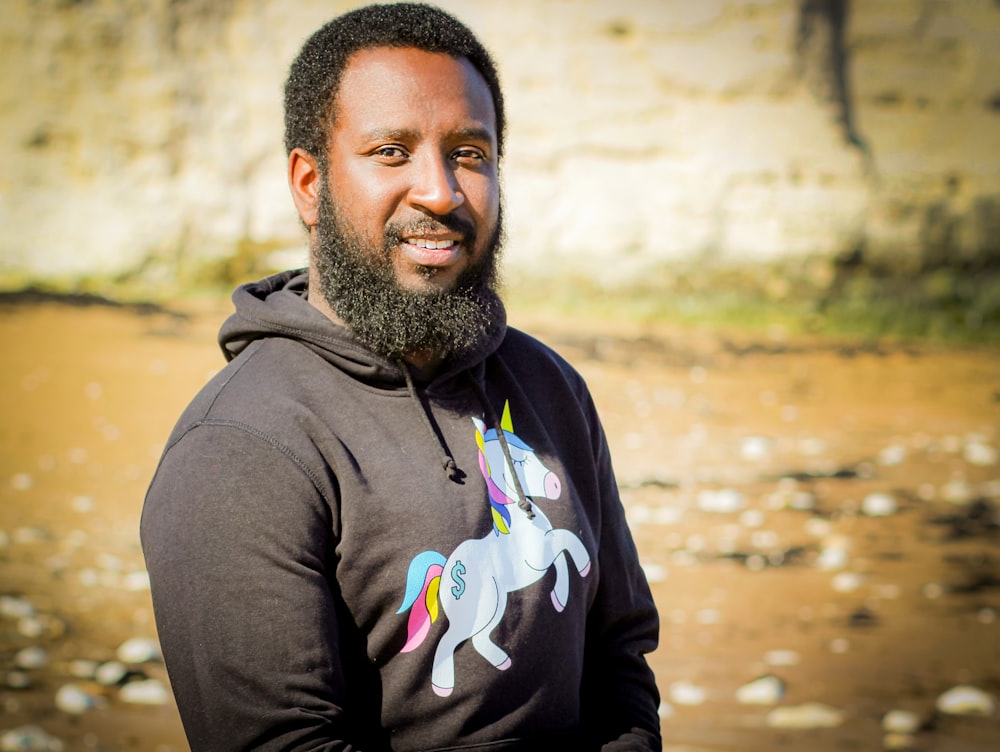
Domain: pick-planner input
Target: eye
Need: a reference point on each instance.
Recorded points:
(469, 155)
(390, 154)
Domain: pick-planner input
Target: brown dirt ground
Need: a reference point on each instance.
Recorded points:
(800, 431)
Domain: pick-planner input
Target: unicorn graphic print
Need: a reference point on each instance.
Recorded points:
(472, 584)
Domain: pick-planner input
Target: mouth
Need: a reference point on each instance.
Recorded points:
(434, 252)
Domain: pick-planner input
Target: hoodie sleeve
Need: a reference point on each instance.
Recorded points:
(237, 543)
(620, 697)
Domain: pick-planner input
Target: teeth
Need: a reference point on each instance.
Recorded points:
(432, 244)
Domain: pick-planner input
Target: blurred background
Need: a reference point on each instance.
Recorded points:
(820, 154)
(765, 231)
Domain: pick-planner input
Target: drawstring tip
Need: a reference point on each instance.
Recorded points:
(450, 467)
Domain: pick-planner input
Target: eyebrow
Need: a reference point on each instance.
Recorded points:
(474, 133)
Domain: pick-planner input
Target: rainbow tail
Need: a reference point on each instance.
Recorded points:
(422, 582)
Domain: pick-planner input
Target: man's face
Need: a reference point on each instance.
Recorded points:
(409, 219)
(414, 142)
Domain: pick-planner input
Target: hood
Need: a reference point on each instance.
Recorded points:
(277, 306)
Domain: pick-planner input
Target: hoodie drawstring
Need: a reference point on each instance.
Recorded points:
(522, 499)
(447, 461)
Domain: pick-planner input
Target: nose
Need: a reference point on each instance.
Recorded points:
(435, 186)
(552, 486)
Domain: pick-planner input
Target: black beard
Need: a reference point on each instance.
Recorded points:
(359, 283)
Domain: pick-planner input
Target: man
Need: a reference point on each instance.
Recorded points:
(391, 521)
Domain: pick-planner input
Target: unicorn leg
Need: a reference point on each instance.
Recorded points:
(443, 672)
(485, 646)
(564, 540)
(560, 593)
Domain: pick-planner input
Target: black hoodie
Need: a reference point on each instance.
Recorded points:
(342, 558)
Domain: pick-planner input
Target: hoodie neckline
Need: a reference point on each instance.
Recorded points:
(276, 306)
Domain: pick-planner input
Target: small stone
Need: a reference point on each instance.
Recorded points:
(980, 453)
(767, 690)
(808, 716)
(894, 454)
(966, 700)
(29, 739)
(986, 616)
(74, 699)
(22, 482)
(110, 673)
(654, 572)
(839, 645)
(139, 650)
(81, 668)
(17, 680)
(145, 692)
(781, 658)
(897, 741)
(879, 505)
(82, 504)
(30, 658)
(847, 582)
(900, 722)
(686, 693)
(722, 501)
(755, 448)
(834, 554)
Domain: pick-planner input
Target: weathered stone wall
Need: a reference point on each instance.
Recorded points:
(143, 137)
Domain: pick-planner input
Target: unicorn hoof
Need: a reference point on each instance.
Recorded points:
(442, 691)
(556, 602)
(505, 665)
(586, 570)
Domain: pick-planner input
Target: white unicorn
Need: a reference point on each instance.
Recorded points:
(472, 584)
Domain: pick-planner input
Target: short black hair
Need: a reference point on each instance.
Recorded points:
(315, 74)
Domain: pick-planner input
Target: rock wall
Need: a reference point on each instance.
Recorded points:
(142, 138)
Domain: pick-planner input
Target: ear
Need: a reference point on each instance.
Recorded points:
(303, 180)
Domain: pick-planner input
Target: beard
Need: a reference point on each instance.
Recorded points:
(359, 282)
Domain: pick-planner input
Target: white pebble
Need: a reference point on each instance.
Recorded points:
(82, 668)
(145, 692)
(894, 454)
(807, 716)
(136, 581)
(847, 582)
(686, 693)
(138, 650)
(722, 501)
(654, 572)
(29, 739)
(33, 657)
(840, 645)
(708, 616)
(752, 518)
(767, 690)
(966, 700)
(74, 699)
(900, 722)
(22, 482)
(17, 680)
(879, 505)
(980, 453)
(781, 658)
(666, 710)
(755, 448)
(932, 590)
(110, 673)
(82, 504)
(834, 554)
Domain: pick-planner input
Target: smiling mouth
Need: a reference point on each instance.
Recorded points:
(429, 253)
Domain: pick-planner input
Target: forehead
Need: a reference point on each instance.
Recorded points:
(389, 87)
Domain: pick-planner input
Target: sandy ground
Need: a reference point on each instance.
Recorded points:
(821, 513)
